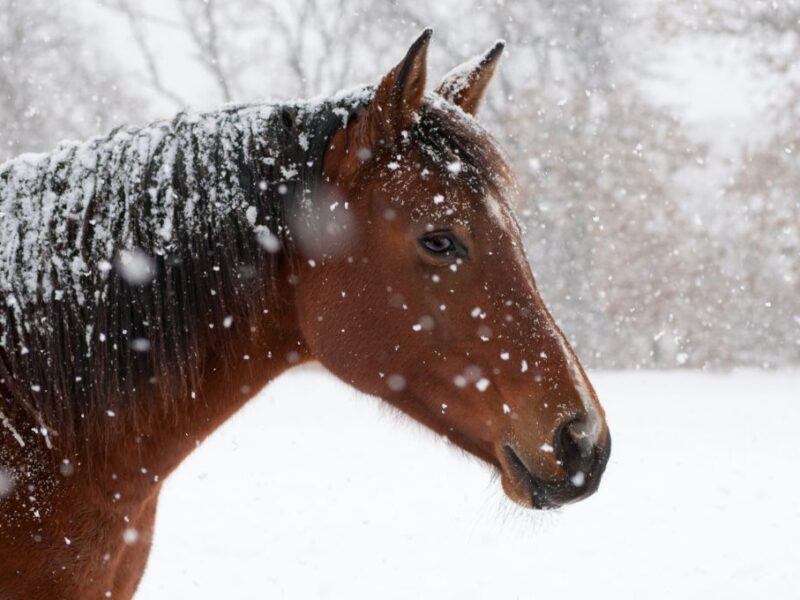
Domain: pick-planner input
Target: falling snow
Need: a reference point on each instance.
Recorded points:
(6, 482)
(661, 224)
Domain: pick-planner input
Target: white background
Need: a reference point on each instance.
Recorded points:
(315, 491)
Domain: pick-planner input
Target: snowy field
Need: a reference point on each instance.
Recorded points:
(315, 491)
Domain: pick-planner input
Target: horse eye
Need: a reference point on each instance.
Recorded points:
(439, 244)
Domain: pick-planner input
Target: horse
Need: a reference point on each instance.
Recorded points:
(156, 279)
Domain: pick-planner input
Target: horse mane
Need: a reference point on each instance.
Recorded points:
(198, 203)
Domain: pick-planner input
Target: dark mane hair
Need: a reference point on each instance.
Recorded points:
(121, 254)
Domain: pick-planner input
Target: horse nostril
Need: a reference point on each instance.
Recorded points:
(575, 450)
(579, 454)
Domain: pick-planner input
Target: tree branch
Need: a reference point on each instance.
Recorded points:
(135, 20)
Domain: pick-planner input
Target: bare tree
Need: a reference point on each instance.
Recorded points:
(629, 271)
(43, 97)
(257, 48)
(757, 240)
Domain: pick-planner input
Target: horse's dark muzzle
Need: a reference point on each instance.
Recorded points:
(583, 464)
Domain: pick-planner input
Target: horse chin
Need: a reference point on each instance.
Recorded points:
(521, 493)
(516, 493)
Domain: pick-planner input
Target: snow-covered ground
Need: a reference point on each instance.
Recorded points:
(315, 491)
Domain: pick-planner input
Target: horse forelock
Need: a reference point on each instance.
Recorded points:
(460, 148)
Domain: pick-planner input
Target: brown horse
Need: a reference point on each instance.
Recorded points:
(156, 279)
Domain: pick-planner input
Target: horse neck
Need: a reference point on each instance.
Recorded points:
(155, 437)
(112, 482)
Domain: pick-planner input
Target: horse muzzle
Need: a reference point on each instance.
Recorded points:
(582, 463)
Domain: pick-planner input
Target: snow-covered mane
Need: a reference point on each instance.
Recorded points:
(116, 254)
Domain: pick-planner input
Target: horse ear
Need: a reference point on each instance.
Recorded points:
(393, 109)
(400, 93)
(466, 85)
